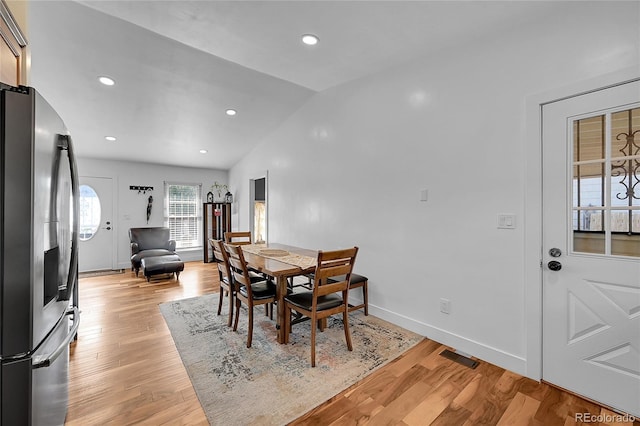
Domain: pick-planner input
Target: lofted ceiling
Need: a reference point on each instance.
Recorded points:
(178, 65)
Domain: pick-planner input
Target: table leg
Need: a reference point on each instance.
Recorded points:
(281, 292)
(323, 324)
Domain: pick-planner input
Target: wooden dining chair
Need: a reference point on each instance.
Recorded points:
(241, 238)
(248, 290)
(328, 297)
(226, 279)
(238, 238)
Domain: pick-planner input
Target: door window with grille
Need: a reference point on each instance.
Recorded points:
(606, 183)
(183, 214)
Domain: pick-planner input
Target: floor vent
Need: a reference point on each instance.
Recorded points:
(460, 359)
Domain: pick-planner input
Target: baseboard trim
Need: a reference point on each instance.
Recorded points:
(476, 349)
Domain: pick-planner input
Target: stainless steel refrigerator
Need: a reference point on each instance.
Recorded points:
(38, 259)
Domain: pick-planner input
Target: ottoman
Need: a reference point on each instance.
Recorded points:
(167, 264)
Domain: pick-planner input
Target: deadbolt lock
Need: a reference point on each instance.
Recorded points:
(554, 265)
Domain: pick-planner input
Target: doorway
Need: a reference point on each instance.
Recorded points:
(96, 228)
(258, 208)
(591, 246)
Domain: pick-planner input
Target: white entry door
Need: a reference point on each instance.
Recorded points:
(96, 224)
(591, 246)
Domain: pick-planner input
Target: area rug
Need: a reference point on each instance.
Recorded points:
(270, 383)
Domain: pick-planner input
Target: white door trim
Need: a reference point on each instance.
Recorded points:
(533, 206)
(114, 219)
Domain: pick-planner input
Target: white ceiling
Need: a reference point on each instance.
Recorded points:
(179, 65)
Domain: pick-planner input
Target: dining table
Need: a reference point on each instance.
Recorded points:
(281, 262)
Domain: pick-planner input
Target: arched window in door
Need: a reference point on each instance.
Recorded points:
(90, 212)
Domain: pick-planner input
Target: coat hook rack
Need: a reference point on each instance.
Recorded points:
(141, 189)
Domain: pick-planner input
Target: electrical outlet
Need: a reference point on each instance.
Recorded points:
(445, 306)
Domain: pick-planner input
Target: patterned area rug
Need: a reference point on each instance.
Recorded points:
(269, 383)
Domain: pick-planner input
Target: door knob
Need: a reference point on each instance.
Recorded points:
(108, 228)
(555, 252)
(554, 265)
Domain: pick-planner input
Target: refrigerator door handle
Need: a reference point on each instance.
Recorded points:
(47, 360)
(65, 293)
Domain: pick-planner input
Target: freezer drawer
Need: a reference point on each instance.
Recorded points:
(35, 389)
(16, 391)
(50, 384)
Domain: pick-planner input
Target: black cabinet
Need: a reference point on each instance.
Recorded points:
(216, 220)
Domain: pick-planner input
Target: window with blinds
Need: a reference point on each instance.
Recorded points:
(183, 214)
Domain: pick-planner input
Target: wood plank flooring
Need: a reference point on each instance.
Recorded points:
(125, 370)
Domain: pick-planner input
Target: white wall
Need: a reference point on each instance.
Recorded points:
(130, 208)
(348, 167)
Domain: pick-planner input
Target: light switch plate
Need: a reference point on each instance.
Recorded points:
(506, 221)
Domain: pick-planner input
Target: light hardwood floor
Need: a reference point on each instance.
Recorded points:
(125, 370)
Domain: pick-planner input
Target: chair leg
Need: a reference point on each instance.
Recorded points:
(365, 297)
(313, 341)
(250, 326)
(230, 308)
(235, 324)
(347, 333)
(220, 301)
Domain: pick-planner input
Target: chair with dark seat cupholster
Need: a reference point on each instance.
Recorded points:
(329, 295)
(247, 289)
(226, 278)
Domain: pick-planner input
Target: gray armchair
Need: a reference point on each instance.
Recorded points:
(149, 242)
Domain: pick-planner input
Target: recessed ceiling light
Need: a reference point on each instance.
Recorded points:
(310, 39)
(110, 138)
(231, 112)
(107, 81)
(203, 151)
